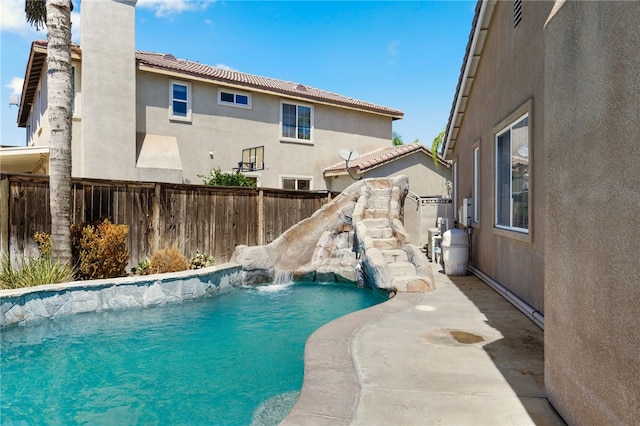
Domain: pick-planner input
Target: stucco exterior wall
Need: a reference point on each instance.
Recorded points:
(592, 279)
(509, 81)
(225, 131)
(108, 95)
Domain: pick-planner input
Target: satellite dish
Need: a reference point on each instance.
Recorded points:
(348, 154)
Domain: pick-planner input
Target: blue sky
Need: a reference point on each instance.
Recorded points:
(405, 54)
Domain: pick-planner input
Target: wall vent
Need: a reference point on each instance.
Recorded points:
(517, 12)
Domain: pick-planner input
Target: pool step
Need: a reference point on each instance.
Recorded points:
(376, 213)
(385, 232)
(375, 223)
(396, 255)
(400, 269)
(385, 243)
(414, 283)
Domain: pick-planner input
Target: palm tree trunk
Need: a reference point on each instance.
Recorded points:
(60, 98)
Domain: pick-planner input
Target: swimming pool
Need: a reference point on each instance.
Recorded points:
(219, 360)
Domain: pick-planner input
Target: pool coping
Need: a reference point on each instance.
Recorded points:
(331, 386)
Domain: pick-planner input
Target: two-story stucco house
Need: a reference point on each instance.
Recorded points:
(144, 116)
(543, 139)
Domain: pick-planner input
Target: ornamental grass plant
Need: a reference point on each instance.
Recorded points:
(34, 271)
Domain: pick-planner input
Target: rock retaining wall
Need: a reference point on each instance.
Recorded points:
(20, 306)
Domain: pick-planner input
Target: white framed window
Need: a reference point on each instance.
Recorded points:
(296, 122)
(476, 184)
(180, 101)
(233, 98)
(298, 183)
(455, 187)
(73, 90)
(512, 176)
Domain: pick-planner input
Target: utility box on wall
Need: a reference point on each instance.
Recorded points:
(465, 213)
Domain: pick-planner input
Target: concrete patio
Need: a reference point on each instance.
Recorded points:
(460, 355)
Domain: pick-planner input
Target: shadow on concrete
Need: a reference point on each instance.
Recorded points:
(519, 355)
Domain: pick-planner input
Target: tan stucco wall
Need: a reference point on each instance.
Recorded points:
(425, 180)
(509, 79)
(592, 245)
(226, 131)
(108, 90)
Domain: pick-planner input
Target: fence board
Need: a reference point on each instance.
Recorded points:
(212, 220)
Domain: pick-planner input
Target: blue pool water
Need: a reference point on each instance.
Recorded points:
(227, 360)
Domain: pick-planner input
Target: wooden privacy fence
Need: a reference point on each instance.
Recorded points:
(212, 220)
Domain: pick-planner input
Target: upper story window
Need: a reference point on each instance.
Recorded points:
(297, 122)
(180, 101)
(231, 98)
(512, 176)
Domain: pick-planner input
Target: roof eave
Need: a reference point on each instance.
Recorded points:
(37, 57)
(480, 27)
(32, 74)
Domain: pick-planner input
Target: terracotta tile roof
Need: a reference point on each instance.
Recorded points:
(169, 63)
(371, 160)
(249, 81)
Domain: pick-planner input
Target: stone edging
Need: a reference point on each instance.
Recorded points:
(24, 305)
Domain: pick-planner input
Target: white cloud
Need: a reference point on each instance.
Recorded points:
(15, 85)
(164, 8)
(224, 67)
(13, 20)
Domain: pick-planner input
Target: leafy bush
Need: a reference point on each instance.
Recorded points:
(34, 271)
(168, 259)
(103, 251)
(44, 243)
(200, 260)
(218, 178)
(142, 268)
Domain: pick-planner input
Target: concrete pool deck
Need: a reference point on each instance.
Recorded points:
(458, 355)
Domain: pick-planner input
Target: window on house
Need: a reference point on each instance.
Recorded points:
(38, 111)
(180, 101)
(297, 122)
(301, 184)
(512, 176)
(476, 184)
(237, 99)
(517, 12)
(73, 90)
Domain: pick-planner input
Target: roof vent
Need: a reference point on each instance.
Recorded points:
(169, 57)
(301, 87)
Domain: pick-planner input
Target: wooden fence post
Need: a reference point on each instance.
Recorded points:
(155, 219)
(4, 216)
(261, 218)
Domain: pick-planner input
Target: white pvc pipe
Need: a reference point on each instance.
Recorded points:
(531, 312)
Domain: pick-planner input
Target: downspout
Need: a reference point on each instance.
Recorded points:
(532, 313)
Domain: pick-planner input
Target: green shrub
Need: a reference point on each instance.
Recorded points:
(218, 178)
(200, 260)
(103, 251)
(34, 271)
(168, 259)
(142, 268)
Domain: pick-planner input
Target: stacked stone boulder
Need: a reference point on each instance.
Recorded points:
(357, 237)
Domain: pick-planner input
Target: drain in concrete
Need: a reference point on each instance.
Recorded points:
(426, 308)
(465, 337)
